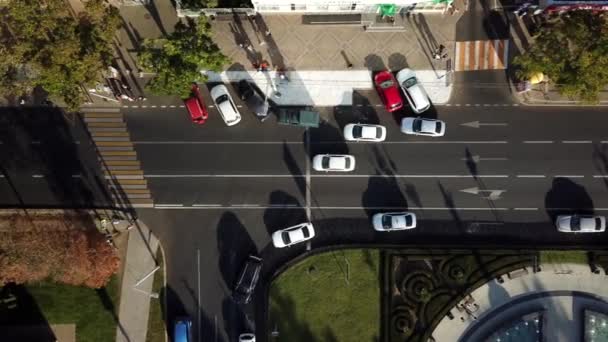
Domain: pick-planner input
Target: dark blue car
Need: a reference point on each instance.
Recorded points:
(182, 330)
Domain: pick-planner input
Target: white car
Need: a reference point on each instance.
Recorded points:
(421, 126)
(333, 162)
(223, 101)
(414, 92)
(386, 222)
(363, 132)
(580, 224)
(248, 337)
(292, 235)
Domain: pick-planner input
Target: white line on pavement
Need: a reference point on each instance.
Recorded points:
(206, 205)
(145, 142)
(576, 141)
(169, 205)
(37, 176)
(568, 176)
(600, 176)
(244, 205)
(199, 308)
(525, 209)
(531, 176)
(538, 142)
(323, 176)
(308, 190)
(179, 206)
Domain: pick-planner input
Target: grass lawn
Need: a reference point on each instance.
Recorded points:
(91, 310)
(156, 324)
(558, 257)
(323, 298)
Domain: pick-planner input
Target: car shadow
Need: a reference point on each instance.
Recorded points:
(566, 198)
(234, 246)
(326, 139)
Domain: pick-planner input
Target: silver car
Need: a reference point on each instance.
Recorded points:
(414, 92)
(223, 101)
(421, 126)
(581, 224)
(292, 235)
(386, 222)
(364, 132)
(333, 162)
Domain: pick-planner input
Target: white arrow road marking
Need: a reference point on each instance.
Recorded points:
(492, 194)
(477, 124)
(476, 159)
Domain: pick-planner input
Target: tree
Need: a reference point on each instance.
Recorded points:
(43, 44)
(198, 4)
(179, 59)
(572, 50)
(48, 249)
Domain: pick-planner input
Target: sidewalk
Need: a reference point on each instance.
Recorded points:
(497, 303)
(140, 261)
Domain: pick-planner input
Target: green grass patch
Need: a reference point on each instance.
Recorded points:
(156, 323)
(561, 257)
(93, 311)
(333, 296)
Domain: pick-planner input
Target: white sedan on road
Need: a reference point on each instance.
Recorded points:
(364, 132)
(292, 235)
(386, 222)
(580, 224)
(422, 126)
(225, 105)
(333, 162)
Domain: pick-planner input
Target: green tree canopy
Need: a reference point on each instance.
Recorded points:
(179, 59)
(573, 52)
(43, 44)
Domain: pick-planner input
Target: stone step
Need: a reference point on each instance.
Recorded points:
(87, 120)
(114, 133)
(130, 187)
(115, 148)
(113, 168)
(123, 176)
(114, 143)
(96, 130)
(103, 139)
(106, 159)
(137, 191)
(122, 163)
(103, 115)
(105, 154)
(127, 194)
(124, 172)
(125, 182)
(106, 124)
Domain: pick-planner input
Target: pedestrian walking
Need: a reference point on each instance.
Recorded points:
(267, 33)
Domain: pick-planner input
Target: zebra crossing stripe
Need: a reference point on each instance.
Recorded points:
(481, 55)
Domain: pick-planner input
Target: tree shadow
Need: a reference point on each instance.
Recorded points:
(21, 319)
(318, 138)
(294, 169)
(234, 246)
(397, 61)
(235, 319)
(273, 50)
(471, 163)
(361, 111)
(600, 160)
(383, 194)
(108, 305)
(242, 39)
(374, 63)
(566, 198)
(284, 211)
(155, 14)
(282, 317)
(449, 203)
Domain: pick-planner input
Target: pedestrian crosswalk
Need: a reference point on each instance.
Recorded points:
(118, 160)
(481, 55)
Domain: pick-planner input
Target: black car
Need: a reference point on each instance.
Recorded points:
(255, 99)
(247, 280)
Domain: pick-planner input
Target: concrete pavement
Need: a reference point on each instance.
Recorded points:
(559, 295)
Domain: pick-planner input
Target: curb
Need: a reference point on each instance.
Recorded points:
(162, 252)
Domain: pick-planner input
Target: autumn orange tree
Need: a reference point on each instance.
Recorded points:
(74, 257)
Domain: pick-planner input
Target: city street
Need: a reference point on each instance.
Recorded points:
(498, 178)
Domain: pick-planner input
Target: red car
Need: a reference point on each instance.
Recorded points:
(196, 106)
(388, 89)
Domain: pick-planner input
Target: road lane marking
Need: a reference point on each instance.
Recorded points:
(531, 176)
(323, 176)
(308, 190)
(37, 176)
(199, 308)
(600, 176)
(576, 141)
(538, 142)
(244, 205)
(569, 176)
(206, 205)
(144, 142)
(169, 205)
(257, 207)
(525, 209)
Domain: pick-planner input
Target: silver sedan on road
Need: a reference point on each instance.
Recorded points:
(386, 222)
(580, 224)
(421, 126)
(292, 235)
(333, 162)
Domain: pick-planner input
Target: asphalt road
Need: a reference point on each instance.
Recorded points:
(497, 178)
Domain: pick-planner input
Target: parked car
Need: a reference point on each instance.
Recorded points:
(182, 330)
(364, 132)
(386, 222)
(413, 90)
(302, 117)
(196, 106)
(293, 235)
(333, 162)
(387, 88)
(247, 280)
(421, 126)
(581, 224)
(225, 105)
(255, 99)
(248, 337)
